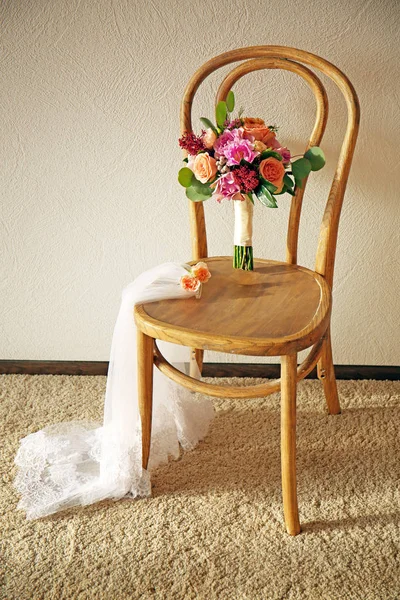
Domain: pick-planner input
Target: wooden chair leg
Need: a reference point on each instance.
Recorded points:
(326, 374)
(196, 362)
(145, 350)
(288, 443)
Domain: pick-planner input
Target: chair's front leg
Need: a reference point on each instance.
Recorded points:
(145, 350)
(326, 374)
(288, 442)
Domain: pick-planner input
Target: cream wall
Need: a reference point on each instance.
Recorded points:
(89, 101)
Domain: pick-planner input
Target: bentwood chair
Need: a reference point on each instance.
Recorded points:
(293, 304)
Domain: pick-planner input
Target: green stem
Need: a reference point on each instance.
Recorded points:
(243, 258)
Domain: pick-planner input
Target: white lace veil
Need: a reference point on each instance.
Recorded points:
(80, 463)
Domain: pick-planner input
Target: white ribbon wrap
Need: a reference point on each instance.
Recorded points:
(80, 463)
(243, 232)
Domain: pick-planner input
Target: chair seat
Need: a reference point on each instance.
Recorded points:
(276, 309)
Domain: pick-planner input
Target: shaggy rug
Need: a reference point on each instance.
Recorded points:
(214, 527)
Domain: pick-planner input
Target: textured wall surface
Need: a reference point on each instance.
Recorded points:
(89, 113)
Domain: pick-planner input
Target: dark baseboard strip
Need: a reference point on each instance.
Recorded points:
(273, 371)
(53, 367)
(81, 367)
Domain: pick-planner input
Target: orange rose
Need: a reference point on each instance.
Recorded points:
(201, 272)
(204, 167)
(190, 283)
(273, 171)
(258, 129)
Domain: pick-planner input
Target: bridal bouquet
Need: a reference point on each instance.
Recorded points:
(241, 159)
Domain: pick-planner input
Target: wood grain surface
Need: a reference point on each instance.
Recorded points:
(274, 310)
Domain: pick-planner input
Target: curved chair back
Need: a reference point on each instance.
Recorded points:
(294, 60)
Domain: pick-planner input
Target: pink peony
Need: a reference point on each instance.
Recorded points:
(226, 138)
(235, 147)
(237, 151)
(226, 187)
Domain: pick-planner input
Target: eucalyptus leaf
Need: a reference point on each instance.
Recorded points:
(208, 125)
(230, 101)
(316, 157)
(301, 169)
(299, 183)
(204, 188)
(185, 177)
(220, 113)
(196, 196)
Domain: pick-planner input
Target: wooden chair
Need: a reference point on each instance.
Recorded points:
(277, 310)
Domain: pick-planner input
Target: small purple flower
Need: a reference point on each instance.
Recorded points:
(285, 153)
(225, 187)
(282, 150)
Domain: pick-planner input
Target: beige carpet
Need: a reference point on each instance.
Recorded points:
(214, 529)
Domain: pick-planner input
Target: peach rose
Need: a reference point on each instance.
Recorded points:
(273, 170)
(258, 129)
(204, 167)
(209, 138)
(190, 283)
(201, 272)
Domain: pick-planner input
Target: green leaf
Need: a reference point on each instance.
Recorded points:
(268, 153)
(316, 157)
(186, 160)
(198, 191)
(288, 181)
(285, 190)
(185, 177)
(208, 125)
(230, 101)
(300, 169)
(250, 197)
(266, 198)
(270, 186)
(220, 113)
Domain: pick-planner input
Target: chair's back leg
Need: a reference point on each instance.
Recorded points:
(326, 374)
(288, 442)
(196, 362)
(145, 351)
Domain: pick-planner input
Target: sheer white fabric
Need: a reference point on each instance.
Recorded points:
(80, 463)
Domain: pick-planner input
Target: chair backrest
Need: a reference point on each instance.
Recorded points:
(290, 59)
